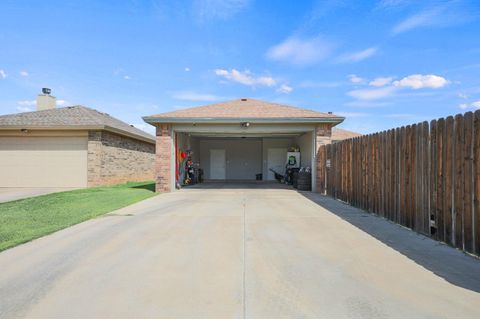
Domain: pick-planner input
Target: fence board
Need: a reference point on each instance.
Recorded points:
(476, 167)
(441, 174)
(448, 194)
(426, 179)
(458, 181)
(468, 184)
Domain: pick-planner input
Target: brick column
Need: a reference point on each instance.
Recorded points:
(163, 159)
(323, 136)
(94, 158)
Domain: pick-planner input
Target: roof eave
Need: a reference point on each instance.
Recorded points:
(134, 136)
(78, 128)
(226, 120)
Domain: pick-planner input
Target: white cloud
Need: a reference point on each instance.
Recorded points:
(352, 114)
(284, 88)
(355, 79)
(381, 81)
(187, 69)
(245, 78)
(127, 77)
(217, 9)
(62, 103)
(419, 81)
(3, 75)
(422, 19)
(372, 94)
(462, 95)
(474, 105)
(300, 51)
(357, 56)
(386, 88)
(367, 104)
(393, 3)
(24, 109)
(27, 103)
(193, 96)
(405, 116)
(24, 73)
(320, 84)
(442, 14)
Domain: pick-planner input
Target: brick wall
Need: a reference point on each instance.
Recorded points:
(114, 159)
(163, 160)
(323, 136)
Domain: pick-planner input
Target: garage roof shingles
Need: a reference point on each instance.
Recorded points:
(244, 108)
(339, 134)
(70, 117)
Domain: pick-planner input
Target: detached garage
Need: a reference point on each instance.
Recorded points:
(72, 147)
(238, 140)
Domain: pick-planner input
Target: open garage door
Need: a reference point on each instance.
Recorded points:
(228, 159)
(43, 161)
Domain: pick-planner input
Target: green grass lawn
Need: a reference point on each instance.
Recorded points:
(30, 218)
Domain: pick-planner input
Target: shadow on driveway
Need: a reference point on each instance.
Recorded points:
(449, 263)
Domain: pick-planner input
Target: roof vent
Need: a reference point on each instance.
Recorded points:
(244, 100)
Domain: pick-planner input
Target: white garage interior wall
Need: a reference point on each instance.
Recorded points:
(245, 156)
(305, 143)
(53, 161)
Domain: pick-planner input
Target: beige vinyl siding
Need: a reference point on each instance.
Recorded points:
(43, 161)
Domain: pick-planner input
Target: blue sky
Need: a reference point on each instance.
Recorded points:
(381, 63)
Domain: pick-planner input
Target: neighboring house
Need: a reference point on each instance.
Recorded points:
(72, 146)
(339, 134)
(238, 139)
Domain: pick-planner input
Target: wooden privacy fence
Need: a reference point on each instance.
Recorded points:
(423, 176)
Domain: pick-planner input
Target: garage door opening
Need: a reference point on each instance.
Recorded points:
(228, 161)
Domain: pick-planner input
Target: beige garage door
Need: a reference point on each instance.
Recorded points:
(43, 161)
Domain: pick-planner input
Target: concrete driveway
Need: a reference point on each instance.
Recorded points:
(237, 253)
(8, 194)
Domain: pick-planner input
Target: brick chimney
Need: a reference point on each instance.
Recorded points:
(45, 101)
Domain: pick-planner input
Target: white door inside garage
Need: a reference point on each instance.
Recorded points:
(43, 161)
(217, 164)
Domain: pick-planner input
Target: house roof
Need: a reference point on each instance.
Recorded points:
(72, 118)
(243, 109)
(339, 134)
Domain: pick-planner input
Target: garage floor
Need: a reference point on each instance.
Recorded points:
(236, 184)
(238, 253)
